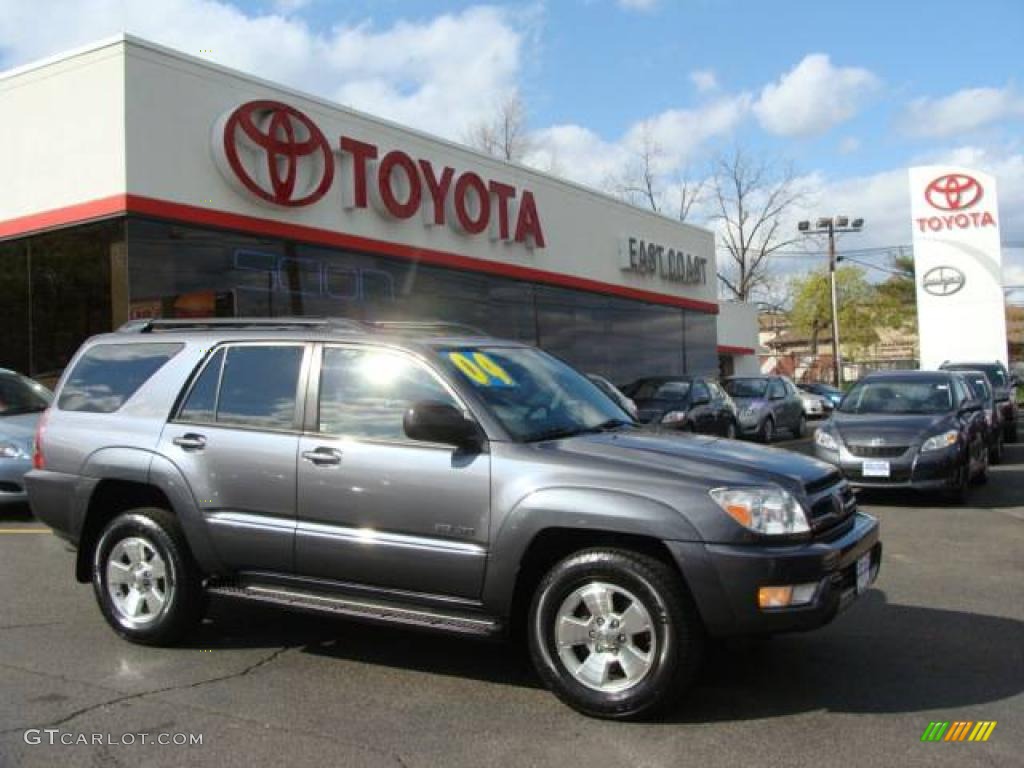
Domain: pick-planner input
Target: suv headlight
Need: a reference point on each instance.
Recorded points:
(9, 450)
(826, 440)
(765, 509)
(673, 417)
(938, 442)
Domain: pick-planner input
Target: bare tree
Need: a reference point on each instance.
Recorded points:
(690, 193)
(505, 134)
(643, 185)
(750, 198)
(639, 184)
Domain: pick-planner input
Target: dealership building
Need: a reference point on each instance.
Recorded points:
(142, 182)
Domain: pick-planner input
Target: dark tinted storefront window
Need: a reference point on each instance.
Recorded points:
(179, 271)
(55, 291)
(701, 343)
(621, 339)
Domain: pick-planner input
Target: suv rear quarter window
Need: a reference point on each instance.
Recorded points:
(106, 375)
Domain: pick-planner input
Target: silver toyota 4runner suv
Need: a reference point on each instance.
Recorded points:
(456, 483)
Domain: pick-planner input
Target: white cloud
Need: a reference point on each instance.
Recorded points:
(673, 138)
(704, 80)
(813, 97)
(678, 132)
(638, 5)
(439, 74)
(962, 111)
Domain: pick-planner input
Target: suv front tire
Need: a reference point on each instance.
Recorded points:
(614, 634)
(145, 580)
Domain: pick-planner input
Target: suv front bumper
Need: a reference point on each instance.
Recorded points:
(724, 579)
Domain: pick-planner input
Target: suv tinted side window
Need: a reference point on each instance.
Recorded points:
(700, 391)
(108, 374)
(258, 386)
(776, 389)
(365, 392)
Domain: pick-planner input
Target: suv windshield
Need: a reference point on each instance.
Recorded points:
(746, 387)
(995, 373)
(20, 395)
(895, 396)
(534, 395)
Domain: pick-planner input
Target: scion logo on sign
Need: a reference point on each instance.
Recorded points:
(275, 152)
(953, 192)
(943, 281)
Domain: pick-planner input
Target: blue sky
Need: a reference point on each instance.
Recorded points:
(851, 93)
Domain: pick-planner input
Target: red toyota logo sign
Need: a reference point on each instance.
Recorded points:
(953, 192)
(277, 153)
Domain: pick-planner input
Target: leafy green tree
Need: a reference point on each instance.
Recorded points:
(812, 308)
(897, 295)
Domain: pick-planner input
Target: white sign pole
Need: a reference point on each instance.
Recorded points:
(961, 313)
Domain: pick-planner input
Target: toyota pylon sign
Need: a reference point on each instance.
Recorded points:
(958, 264)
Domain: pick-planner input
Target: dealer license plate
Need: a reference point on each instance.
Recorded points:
(876, 469)
(863, 573)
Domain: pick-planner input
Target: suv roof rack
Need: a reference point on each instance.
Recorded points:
(158, 325)
(427, 327)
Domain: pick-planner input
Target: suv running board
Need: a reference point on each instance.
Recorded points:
(375, 611)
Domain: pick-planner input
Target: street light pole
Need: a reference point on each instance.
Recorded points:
(832, 227)
(837, 363)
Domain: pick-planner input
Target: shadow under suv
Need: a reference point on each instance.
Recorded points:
(452, 483)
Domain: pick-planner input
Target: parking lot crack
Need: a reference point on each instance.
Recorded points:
(262, 662)
(31, 625)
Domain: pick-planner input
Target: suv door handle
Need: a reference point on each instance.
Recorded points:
(323, 456)
(190, 441)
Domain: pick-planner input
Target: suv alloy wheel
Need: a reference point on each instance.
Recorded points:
(613, 633)
(145, 581)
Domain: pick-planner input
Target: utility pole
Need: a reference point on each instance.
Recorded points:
(837, 362)
(832, 227)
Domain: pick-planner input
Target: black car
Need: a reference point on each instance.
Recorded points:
(908, 429)
(766, 405)
(994, 427)
(684, 403)
(1004, 389)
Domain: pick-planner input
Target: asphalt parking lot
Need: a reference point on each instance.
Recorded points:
(939, 637)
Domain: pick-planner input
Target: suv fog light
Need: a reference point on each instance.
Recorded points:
(786, 597)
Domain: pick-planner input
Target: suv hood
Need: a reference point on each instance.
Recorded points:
(894, 429)
(712, 460)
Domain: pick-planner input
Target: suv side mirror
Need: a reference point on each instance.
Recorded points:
(432, 422)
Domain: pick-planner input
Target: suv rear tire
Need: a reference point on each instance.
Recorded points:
(614, 634)
(146, 582)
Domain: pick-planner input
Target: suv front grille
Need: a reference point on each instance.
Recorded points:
(831, 506)
(878, 451)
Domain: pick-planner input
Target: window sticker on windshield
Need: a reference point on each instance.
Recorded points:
(480, 368)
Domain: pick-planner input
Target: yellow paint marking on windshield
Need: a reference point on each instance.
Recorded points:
(492, 368)
(481, 369)
(469, 368)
